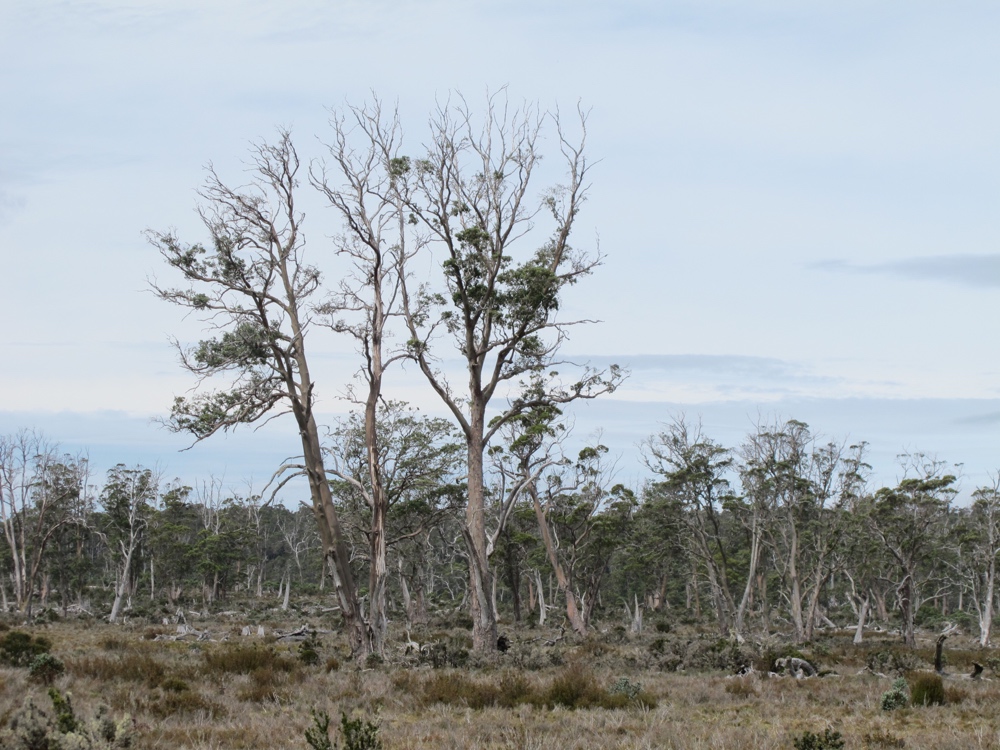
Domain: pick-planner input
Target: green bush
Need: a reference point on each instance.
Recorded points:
(18, 649)
(309, 651)
(318, 735)
(829, 740)
(45, 668)
(896, 696)
(33, 729)
(359, 734)
(927, 689)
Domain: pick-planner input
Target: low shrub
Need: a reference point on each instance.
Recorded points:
(33, 729)
(896, 697)
(18, 649)
(359, 734)
(246, 659)
(893, 660)
(829, 740)
(309, 651)
(576, 687)
(742, 687)
(44, 668)
(131, 666)
(927, 689)
(882, 738)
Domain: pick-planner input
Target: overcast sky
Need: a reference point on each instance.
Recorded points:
(797, 203)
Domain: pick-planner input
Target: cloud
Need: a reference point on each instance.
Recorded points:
(982, 271)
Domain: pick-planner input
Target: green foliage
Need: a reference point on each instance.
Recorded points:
(882, 738)
(927, 689)
(309, 651)
(359, 734)
(897, 696)
(32, 729)
(65, 718)
(829, 740)
(318, 735)
(45, 668)
(624, 687)
(19, 649)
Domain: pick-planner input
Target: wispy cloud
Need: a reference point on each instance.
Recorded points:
(971, 270)
(703, 378)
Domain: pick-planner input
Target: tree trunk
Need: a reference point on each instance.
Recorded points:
(576, 619)
(859, 631)
(986, 611)
(484, 622)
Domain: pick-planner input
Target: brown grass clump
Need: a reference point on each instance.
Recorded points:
(927, 689)
(129, 665)
(742, 687)
(242, 659)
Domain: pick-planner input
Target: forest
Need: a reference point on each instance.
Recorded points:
(779, 533)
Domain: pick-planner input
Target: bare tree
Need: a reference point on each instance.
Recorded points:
(469, 199)
(253, 285)
(374, 241)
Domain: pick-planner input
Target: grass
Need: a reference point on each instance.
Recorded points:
(608, 691)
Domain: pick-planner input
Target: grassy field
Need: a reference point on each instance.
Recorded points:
(673, 689)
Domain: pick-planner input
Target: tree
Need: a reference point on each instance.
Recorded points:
(366, 300)
(254, 286)
(909, 520)
(172, 534)
(127, 498)
(468, 199)
(38, 496)
(981, 543)
(692, 469)
(415, 462)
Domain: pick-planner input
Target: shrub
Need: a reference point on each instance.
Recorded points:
(129, 665)
(18, 649)
(309, 651)
(318, 735)
(247, 659)
(624, 687)
(882, 738)
(65, 718)
(32, 729)
(927, 689)
(174, 685)
(829, 740)
(576, 687)
(893, 660)
(741, 687)
(359, 734)
(45, 668)
(896, 696)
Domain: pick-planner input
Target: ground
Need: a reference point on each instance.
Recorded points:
(673, 686)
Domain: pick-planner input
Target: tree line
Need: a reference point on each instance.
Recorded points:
(781, 532)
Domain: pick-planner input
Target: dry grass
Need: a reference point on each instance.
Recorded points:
(248, 694)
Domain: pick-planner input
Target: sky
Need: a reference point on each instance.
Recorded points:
(797, 205)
